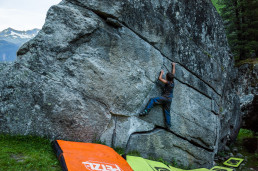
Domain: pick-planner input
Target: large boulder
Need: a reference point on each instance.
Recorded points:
(248, 93)
(94, 65)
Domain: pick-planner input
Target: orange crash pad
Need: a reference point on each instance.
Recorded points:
(78, 156)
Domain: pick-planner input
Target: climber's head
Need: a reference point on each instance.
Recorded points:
(170, 76)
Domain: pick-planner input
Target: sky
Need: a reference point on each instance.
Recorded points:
(24, 14)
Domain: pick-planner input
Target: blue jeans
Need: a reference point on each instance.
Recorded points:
(165, 102)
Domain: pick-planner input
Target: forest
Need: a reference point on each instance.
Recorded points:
(241, 23)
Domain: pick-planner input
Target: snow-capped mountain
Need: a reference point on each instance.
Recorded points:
(16, 36)
(11, 40)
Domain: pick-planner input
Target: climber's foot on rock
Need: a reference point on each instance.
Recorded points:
(143, 113)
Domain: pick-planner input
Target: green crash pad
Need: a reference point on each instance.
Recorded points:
(157, 165)
(141, 164)
(233, 162)
(201, 169)
(138, 163)
(176, 169)
(218, 168)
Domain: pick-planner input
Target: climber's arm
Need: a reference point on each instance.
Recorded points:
(173, 68)
(160, 77)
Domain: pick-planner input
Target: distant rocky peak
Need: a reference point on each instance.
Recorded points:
(16, 36)
(10, 32)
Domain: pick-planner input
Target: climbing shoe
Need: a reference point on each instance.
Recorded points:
(143, 113)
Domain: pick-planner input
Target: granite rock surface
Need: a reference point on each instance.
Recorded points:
(94, 66)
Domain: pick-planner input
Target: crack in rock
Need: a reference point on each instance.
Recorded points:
(157, 128)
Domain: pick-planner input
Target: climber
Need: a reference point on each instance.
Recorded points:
(166, 98)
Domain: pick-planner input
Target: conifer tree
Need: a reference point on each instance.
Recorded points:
(241, 22)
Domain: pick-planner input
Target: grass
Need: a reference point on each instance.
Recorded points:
(134, 153)
(119, 150)
(27, 153)
(244, 133)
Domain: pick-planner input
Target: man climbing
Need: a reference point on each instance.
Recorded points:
(166, 98)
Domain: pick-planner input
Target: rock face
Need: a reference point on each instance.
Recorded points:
(248, 93)
(94, 65)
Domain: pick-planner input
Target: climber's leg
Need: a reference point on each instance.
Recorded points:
(151, 103)
(166, 108)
